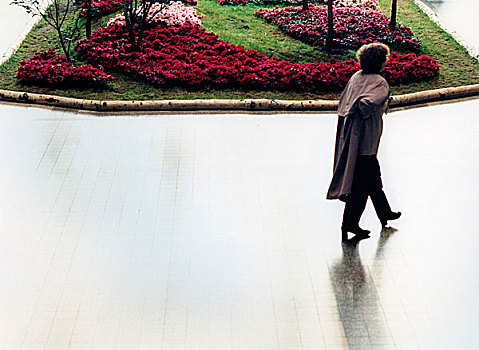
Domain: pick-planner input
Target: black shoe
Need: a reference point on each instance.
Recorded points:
(391, 216)
(358, 231)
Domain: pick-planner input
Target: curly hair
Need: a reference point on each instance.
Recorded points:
(371, 57)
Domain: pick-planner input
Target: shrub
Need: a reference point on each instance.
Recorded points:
(50, 70)
(174, 14)
(353, 27)
(363, 4)
(189, 57)
(101, 8)
(409, 68)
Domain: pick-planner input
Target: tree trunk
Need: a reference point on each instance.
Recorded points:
(128, 12)
(392, 22)
(305, 5)
(55, 15)
(62, 43)
(88, 19)
(330, 36)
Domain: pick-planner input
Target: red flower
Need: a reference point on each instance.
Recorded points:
(192, 58)
(49, 69)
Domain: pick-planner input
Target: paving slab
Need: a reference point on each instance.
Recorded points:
(213, 232)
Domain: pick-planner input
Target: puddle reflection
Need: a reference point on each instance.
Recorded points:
(358, 302)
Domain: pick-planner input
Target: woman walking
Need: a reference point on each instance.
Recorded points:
(356, 174)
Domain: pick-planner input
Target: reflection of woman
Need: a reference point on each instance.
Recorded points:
(356, 173)
(356, 293)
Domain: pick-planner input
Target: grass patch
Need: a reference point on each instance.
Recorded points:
(237, 24)
(457, 66)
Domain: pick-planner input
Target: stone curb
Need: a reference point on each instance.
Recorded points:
(398, 101)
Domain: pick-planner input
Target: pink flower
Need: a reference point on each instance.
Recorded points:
(174, 14)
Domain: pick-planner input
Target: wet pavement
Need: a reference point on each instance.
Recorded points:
(213, 232)
(9, 27)
(460, 16)
(14, 25)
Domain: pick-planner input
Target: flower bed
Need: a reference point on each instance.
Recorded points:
(363, 4)
(353, 27)
(409, 68)
(101, 8)
(260, 2)
(190, 57)
(49, 69)
(174, 14)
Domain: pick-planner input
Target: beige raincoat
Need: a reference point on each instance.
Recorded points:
(364, 95)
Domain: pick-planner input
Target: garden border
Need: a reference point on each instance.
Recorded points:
(398, 101)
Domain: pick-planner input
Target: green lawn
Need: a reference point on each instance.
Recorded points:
(238, 25)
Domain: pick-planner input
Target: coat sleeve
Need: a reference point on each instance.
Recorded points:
(374, 101)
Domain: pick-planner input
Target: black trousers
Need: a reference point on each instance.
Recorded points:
(366, 183)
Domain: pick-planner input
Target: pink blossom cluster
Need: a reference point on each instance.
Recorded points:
(173, 14)
(178, 14)
(192, 58)
(49, 69)
(363, 4)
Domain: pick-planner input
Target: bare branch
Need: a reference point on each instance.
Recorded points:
(56, 16)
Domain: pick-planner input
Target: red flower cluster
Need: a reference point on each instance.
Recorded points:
(101, 8)
(353, 26)
(409, 68)
(190, 57)
(49, 69)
